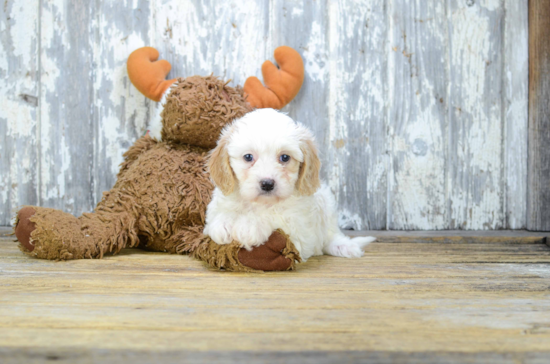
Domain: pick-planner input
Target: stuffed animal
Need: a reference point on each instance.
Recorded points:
(159, 200)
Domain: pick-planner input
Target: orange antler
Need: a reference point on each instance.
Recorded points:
(282, 84)
(147, 74)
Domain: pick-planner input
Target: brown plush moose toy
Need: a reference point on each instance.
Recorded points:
(162, 190)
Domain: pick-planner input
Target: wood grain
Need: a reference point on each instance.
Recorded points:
(432, 300)
(539, 116)
(32, 356)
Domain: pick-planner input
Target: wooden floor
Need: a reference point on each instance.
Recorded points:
(424, 298)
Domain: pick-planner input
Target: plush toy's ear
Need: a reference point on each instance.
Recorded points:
(308, 177)
(147, 74)
(219, 167)
(282, 85)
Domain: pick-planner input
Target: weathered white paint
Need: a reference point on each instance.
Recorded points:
(18, 105)
(120, 113)
(418, 118)
(419, 108)
(202, 37)
(475, 177)
(515, 92)
(66, 132)
(357, 159)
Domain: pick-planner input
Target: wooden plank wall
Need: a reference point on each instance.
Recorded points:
(419, 108)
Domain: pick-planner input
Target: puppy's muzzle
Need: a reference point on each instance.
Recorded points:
(267, 185)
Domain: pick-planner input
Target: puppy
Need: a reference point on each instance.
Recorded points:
(266, 172)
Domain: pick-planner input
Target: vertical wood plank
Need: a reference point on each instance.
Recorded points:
(66, 105)
(121, 113)
(303, 25)
(418, 121)
(539, 116)
(200, 37)
(516, 78)
(357, 159)
(476, 126)
(18, 106)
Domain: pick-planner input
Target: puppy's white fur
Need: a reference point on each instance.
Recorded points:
(240, 210)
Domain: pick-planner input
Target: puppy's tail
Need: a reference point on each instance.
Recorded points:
(343, 246)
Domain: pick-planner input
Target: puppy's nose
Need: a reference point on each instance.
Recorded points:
(267, 184)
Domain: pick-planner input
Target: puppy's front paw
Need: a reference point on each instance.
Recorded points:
(250, 235)
(219, 232)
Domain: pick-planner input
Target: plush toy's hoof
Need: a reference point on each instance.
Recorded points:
(25, 227)
(267, 257)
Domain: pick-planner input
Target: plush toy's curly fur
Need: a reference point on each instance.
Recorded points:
(197, 108)
(162, 189)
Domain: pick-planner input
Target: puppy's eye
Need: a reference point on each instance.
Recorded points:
(284, 158)
(248, 157)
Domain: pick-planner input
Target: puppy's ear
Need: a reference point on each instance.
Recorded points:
(219, 167)
(308, 178)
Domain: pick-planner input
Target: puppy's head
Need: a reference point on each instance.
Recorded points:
(266, 157)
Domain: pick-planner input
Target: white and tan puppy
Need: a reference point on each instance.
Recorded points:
(266, 172)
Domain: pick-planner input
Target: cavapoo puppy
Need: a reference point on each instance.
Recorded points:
(266, 171)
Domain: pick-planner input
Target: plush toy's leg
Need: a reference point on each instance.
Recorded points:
(182, 241)
(24, 227)
(53, 234)
(276, 254)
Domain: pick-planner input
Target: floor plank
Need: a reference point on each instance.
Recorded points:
(446, 298)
